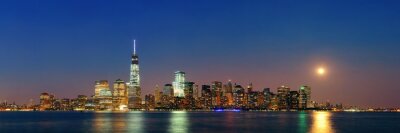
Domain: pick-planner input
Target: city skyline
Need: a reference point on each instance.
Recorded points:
(122, 95)
(65, 48)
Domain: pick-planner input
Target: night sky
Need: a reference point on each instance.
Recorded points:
(63, 47)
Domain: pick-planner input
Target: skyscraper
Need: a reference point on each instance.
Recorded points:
(294, 100)
(167, 96)
(100, 86)
(134, 90)
(168, 90)
(120, 95)
(206, 95)
(157, 95)
(305, 97)
(195, 91)
(267, 98)
(216, 90)
(188, 91)
(179, 84)
(238, 96)
(103, 95)
(283, 97)
(228, 88)
(189, 99)
(247, 94)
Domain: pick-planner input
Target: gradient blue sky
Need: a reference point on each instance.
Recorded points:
(62, 47)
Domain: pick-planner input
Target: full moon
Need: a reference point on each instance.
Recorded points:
(321, 71)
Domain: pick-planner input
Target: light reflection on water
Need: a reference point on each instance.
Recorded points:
(198, 122)
(178, 122)
(303, 120)
(102, 122)
(135, 122)
(322, 123)
(118, 122)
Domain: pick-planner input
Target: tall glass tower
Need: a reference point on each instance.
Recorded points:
(134, 91)
(305, 97)
(179, 84)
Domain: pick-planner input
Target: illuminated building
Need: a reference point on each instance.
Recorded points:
(52, 100)
(149, 101)
(188, 91)
(283, 97)
(252, 100)
(179, 84)
(189, 101)
(196, 91)
(305, 97)
(247, 95)
(56, 105)
(103, 95)
(166, 97)
(294, 100)
(134, 90)
(120, 95)
(100, 85)
(45, 102)
(65, 104)
(216, 89)
(82, 99)
(157, 94)
(178, 103)
(274, 105)
(73, 103)
(91, 103)
(206, 99)
(166, 102)
(228, 92)
(267, 98)
(238, 96)
(260, 99)
(168, 90)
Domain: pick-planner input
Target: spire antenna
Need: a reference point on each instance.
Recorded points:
(134, 46)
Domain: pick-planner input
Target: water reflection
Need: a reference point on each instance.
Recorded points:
(303, 120)
(118, 122)
(102, 122)
(135, 122)
(178, 122)
(322, 123)
(229, 121)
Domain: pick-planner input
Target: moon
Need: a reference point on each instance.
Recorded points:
(321, 71)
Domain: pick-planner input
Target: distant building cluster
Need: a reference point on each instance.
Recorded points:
(186, 95)
(190, 96)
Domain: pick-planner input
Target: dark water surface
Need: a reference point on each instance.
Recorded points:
(199, 122)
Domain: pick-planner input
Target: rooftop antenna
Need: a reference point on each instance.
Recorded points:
(134, 46)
